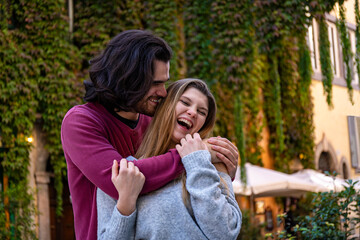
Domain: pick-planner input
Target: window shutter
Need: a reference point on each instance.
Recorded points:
(354, 135)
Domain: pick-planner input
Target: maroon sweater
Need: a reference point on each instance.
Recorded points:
(92, 138)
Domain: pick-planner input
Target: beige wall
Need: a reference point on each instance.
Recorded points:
(333, 122)
(350, 13)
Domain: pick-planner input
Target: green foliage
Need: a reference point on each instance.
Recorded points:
(21, 224)
(163, 18)
(57, 60)
(357, 36)
(295, 66)
(249, 230)
(281, 32)
(237, 67)
(96, 22)
(199, 44)
(346, 50)
(303, 137)
(329, 217)
(273, 111)
(325, 62)
(239, 133)
(17, 103)
(37, 77)
(275, 20)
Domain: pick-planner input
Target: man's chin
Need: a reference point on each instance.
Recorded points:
(146, 112)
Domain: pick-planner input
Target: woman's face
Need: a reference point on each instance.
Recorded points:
(191, 112)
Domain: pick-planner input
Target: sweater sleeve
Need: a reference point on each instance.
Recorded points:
(86, 148)
(112, 224)
(208, 196)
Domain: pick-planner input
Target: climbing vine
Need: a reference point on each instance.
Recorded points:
(37, 75)
(163, 18)
(238, 82)
(357, 37)
(273, 111)
(303, 146)
(16, 103)
(325, 61)
(346, 50)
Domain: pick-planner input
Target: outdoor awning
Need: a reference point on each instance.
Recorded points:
(335, 184)
(263, 182)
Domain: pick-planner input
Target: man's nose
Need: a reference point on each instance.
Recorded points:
(162, 91)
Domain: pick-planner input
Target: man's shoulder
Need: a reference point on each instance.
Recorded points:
(87, 115)
(88, 109)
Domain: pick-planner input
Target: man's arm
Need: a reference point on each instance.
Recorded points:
(87, 148)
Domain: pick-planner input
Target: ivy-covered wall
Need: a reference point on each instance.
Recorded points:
(37, 71)
(252, 54)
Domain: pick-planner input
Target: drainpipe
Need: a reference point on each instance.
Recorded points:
(71, 16)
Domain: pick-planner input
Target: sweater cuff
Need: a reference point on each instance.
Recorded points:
(122, 223)
(197, 159)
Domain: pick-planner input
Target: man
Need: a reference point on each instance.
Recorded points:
(127, 82)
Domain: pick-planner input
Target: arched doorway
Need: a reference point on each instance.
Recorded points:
(49, 225)
(325, 157)
(62, 227)
(326, 163)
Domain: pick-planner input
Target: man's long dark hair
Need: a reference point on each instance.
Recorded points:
(123, 73)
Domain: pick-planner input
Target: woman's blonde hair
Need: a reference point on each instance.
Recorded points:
(157, 139)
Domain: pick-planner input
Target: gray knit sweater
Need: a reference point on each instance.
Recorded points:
(162, 214)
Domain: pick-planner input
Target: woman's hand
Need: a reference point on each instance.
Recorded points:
(226, 152)
(190, 144)
(128, 181)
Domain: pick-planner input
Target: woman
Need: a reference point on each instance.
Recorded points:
(195, 206)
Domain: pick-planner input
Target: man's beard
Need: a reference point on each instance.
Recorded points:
(143, 108)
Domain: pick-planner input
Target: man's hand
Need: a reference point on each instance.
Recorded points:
(190, 144)
(214, 159)
(226, 152)
(128, 182)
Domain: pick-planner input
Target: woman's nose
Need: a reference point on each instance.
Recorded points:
(191, 112)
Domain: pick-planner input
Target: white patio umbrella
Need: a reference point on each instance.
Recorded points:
(335, 184)
(263, 182)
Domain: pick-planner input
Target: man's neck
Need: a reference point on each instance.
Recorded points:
(133, 116)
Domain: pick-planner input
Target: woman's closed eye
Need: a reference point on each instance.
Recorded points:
(185, 103)
(202, 113)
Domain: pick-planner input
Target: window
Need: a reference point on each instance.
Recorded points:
(354, 137)
(335, 51)
(353, 62)
(311, 41)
